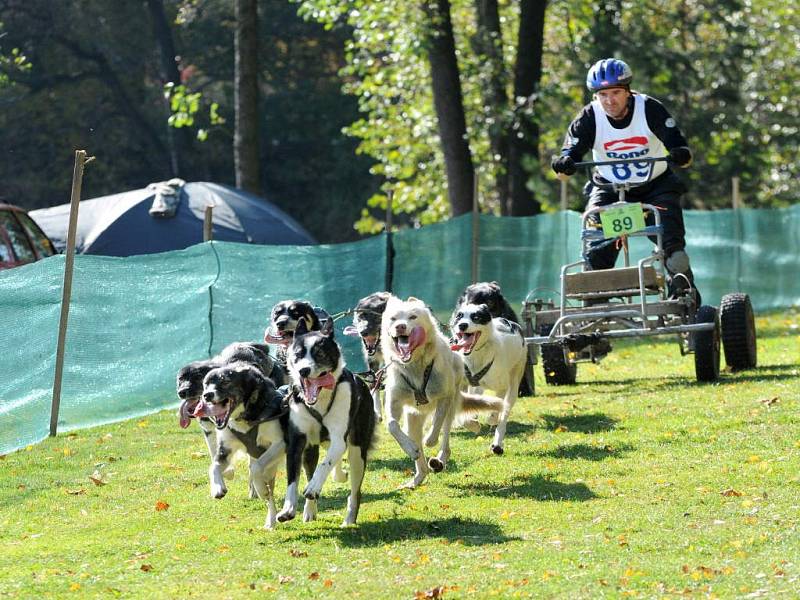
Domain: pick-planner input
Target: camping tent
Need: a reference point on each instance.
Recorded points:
(169, 216)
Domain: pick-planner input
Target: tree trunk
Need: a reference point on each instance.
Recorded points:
(245, 139)
(489, 46)
(178, 140)
(524, 133)
(449, 105)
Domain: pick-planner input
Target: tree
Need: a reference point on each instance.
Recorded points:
(399, 93)
(449, 104)
(245, 139)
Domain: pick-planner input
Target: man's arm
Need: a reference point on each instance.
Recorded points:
(666, 129)
(578, 141)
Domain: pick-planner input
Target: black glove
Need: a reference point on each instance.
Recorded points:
(564, 164)
(680, 156)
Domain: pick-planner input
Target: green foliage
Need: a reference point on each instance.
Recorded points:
(636, 482)
(185, 107)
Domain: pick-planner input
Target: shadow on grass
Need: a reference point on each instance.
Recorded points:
(762, 373)
(393, 529)
(587, 452)
(533, 486)
(588, 423)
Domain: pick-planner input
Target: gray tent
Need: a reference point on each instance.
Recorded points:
(169, 216)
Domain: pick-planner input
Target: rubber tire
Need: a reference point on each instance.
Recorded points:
(707, 346)
(738, 331)
(557, 371)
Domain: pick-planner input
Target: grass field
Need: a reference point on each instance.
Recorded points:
(635, 482)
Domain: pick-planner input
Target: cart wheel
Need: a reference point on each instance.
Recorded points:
(706, 345)
(557, 371)
(738, 331)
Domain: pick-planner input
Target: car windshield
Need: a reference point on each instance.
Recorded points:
(16, 235)
(44, 247)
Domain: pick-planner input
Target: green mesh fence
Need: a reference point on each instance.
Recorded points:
(135, 321)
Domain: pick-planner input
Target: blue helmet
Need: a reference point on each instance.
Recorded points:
(608, 73)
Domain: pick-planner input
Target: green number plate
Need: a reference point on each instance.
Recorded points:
(623, 220)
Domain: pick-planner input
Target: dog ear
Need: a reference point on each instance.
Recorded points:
(301, 328)
(326, 328)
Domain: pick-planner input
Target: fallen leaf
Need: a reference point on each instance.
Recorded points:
(313, 576)
(560, 429)
(770, 401)
(298, 553)
(328, 583)
(436, 592)
(161, 505)
(97, 478)
(730, 492)
(285, 579)
(76, 492)
(146, 568)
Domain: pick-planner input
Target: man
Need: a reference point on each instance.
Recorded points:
(620, 124)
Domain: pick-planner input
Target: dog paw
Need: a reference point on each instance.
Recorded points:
(311, 493)
(310, 511)
(435, 464)
(497, 449)
(286, 515)
(218, 491)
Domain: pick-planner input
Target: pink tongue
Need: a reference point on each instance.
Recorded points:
(183, 412)
(207, 409)
(269, 338)
(415, 340)
(312, 386)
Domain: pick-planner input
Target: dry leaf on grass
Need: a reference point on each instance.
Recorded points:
(730, 492)
(770, 401)
(436, 592)
(298, 553)
(146, 568)
(161, 505)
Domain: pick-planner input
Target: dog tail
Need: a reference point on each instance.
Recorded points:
(480, 403)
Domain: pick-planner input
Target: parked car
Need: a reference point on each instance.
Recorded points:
(21, 240)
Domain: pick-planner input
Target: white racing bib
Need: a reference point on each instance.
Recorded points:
(634, 141)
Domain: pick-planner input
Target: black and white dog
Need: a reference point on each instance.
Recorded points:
(494, 355)
(189, 381)
(250, 414)
(327, 403)
(285, 316)
(490, 294)
(367, 326)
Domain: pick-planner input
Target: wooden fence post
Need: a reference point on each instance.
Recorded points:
(66, 291)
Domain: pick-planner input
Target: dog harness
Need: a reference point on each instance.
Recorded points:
(249, 437)
(475, 380)
(419, 394)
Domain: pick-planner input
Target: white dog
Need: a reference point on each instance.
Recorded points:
(424, 378)
(494, 357)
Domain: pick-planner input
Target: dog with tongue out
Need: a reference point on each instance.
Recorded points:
(425, 381)
(329, 404)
